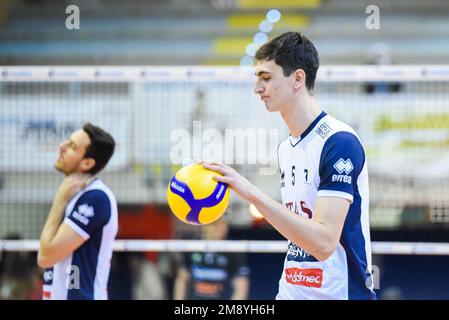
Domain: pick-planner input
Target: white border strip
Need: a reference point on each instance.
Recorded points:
(341, 73)
(76, 228)
(398, 248)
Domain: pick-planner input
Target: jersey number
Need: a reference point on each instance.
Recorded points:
(293, 175)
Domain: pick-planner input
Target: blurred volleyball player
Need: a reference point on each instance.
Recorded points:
(76, 241)
(213, 275)
(323, 181)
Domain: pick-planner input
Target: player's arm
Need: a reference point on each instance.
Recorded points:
(241, 287)
(57, 239)
(182, 279)
(319, 236)
(63, 244)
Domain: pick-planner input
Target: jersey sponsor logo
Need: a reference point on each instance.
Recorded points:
(298, 254)
(341, 178)
(83, 214)
(304, 277)
(301, 210)
(323, 130)
(48, 276)
(46, 295)
(343, 166)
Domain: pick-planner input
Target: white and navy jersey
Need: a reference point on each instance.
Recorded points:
(327, 160)
(92, 213)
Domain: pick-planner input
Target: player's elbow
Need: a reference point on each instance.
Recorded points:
(326, 251)
(322, 256)
(43, 261)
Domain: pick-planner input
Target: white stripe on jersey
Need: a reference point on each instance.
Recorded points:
(105, 255)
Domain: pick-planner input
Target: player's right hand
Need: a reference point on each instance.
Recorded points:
(235, 180)
(71, 185)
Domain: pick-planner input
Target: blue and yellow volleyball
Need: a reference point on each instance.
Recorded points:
(195, 197)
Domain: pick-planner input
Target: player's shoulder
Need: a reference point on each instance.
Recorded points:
(340, 132)
(94, 195)
(342, 144)
(336, 125)
(101, 186)
(97, 192)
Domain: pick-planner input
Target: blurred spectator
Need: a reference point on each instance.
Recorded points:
(380, 54)
(213, 275)
(147, 281)
(135, 277)
(120, 281)
(19, 275)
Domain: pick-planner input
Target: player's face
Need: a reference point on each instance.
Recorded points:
(275, 89)
(71, 153)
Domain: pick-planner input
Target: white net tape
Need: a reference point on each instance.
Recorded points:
(185, 73)
(249, 246)
(396, 132)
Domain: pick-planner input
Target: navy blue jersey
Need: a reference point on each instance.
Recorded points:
(83, 275)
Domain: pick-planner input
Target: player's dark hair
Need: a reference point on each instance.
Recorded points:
(292, 51)
(101, 147)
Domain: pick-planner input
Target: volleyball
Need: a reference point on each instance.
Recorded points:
(195, 197)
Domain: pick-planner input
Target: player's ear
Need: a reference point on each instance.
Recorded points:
(299, 79)
(87, 164)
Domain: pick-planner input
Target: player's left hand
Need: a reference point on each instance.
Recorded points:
(236, 181)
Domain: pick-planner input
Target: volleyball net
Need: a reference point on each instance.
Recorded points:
(160, 116)
(244, 246)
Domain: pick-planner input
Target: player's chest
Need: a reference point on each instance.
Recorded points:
(298, 171)
(299, 180)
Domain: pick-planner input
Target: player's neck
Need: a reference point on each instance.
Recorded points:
(299, 116)
(79, 173)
